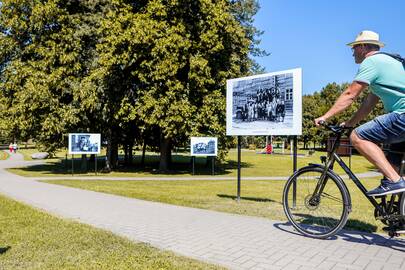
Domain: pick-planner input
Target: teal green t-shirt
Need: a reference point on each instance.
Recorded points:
(384, 69)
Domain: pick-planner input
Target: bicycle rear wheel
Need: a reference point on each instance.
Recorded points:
(316, 215)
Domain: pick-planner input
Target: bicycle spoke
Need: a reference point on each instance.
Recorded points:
(326, 195)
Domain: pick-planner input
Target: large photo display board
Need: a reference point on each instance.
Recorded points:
(84, 143)
(204, 146)
(266, 104)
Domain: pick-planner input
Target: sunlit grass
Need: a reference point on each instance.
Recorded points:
(32, 239)
(252, 164)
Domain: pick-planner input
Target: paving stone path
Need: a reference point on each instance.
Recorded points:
(233, 241)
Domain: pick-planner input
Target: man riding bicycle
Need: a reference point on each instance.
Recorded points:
(385, 76)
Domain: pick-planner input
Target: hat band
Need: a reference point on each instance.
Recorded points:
(375, 42)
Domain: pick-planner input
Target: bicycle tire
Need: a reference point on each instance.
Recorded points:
(321, 219)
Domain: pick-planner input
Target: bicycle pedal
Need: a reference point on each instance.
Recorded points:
(394, 231)
(393, 234)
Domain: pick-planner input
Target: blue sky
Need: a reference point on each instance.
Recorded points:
(313, 35)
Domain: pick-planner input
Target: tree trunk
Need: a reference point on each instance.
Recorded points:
(83, 163)
(165, 154)
(112, 152)
(92, 158)
(143, 153)
(126, 147)
(130, 154)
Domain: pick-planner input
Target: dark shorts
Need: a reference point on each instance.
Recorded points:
(386, 129)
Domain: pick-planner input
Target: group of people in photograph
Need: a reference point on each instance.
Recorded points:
(265, 105)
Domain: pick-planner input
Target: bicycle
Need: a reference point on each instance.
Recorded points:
(317, 202)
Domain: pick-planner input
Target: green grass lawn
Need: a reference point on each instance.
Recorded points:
(258, 198)
(28, 151)
(4, 155)
(253, 164)
(32, 239)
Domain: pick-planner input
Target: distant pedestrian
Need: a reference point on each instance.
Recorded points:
(15, 146)
(10, 147)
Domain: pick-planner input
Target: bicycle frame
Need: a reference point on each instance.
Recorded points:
(334, 157)
(319, 223)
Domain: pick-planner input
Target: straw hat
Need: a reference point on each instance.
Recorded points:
(367, 37)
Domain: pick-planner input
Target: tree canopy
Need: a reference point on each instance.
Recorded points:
(148, 72)
(152, 70)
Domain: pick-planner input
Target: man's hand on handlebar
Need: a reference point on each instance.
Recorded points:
(320, 121)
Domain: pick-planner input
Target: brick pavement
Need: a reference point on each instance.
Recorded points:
(233, 241)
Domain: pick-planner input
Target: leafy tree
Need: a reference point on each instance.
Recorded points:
(132, 70)
(176, 56)
(244, 11)
(47, 48)
(318, 104)
(310, 105)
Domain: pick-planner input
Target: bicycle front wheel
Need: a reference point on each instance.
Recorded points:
(316, 214)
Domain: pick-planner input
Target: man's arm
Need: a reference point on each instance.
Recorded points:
(344, 100)
(366, 107)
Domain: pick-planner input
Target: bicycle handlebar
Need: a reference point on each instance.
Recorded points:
(334, 129)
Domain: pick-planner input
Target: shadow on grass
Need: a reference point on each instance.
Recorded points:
(4, 249)
(354, 224)
(180, 165)
(247, 198)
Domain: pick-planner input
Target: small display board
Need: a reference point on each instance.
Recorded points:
(84, 143)
(204, 146)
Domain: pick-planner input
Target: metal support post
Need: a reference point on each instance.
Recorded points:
(213, 165)
(73, 160)
(294, 170)
(193, 164)
(239, 165)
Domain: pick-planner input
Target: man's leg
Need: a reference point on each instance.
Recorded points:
(373, 153)
(395, 155)
(388, 128)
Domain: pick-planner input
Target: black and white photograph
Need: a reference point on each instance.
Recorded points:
(84, 143)
(266, 104)
(204, 146)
